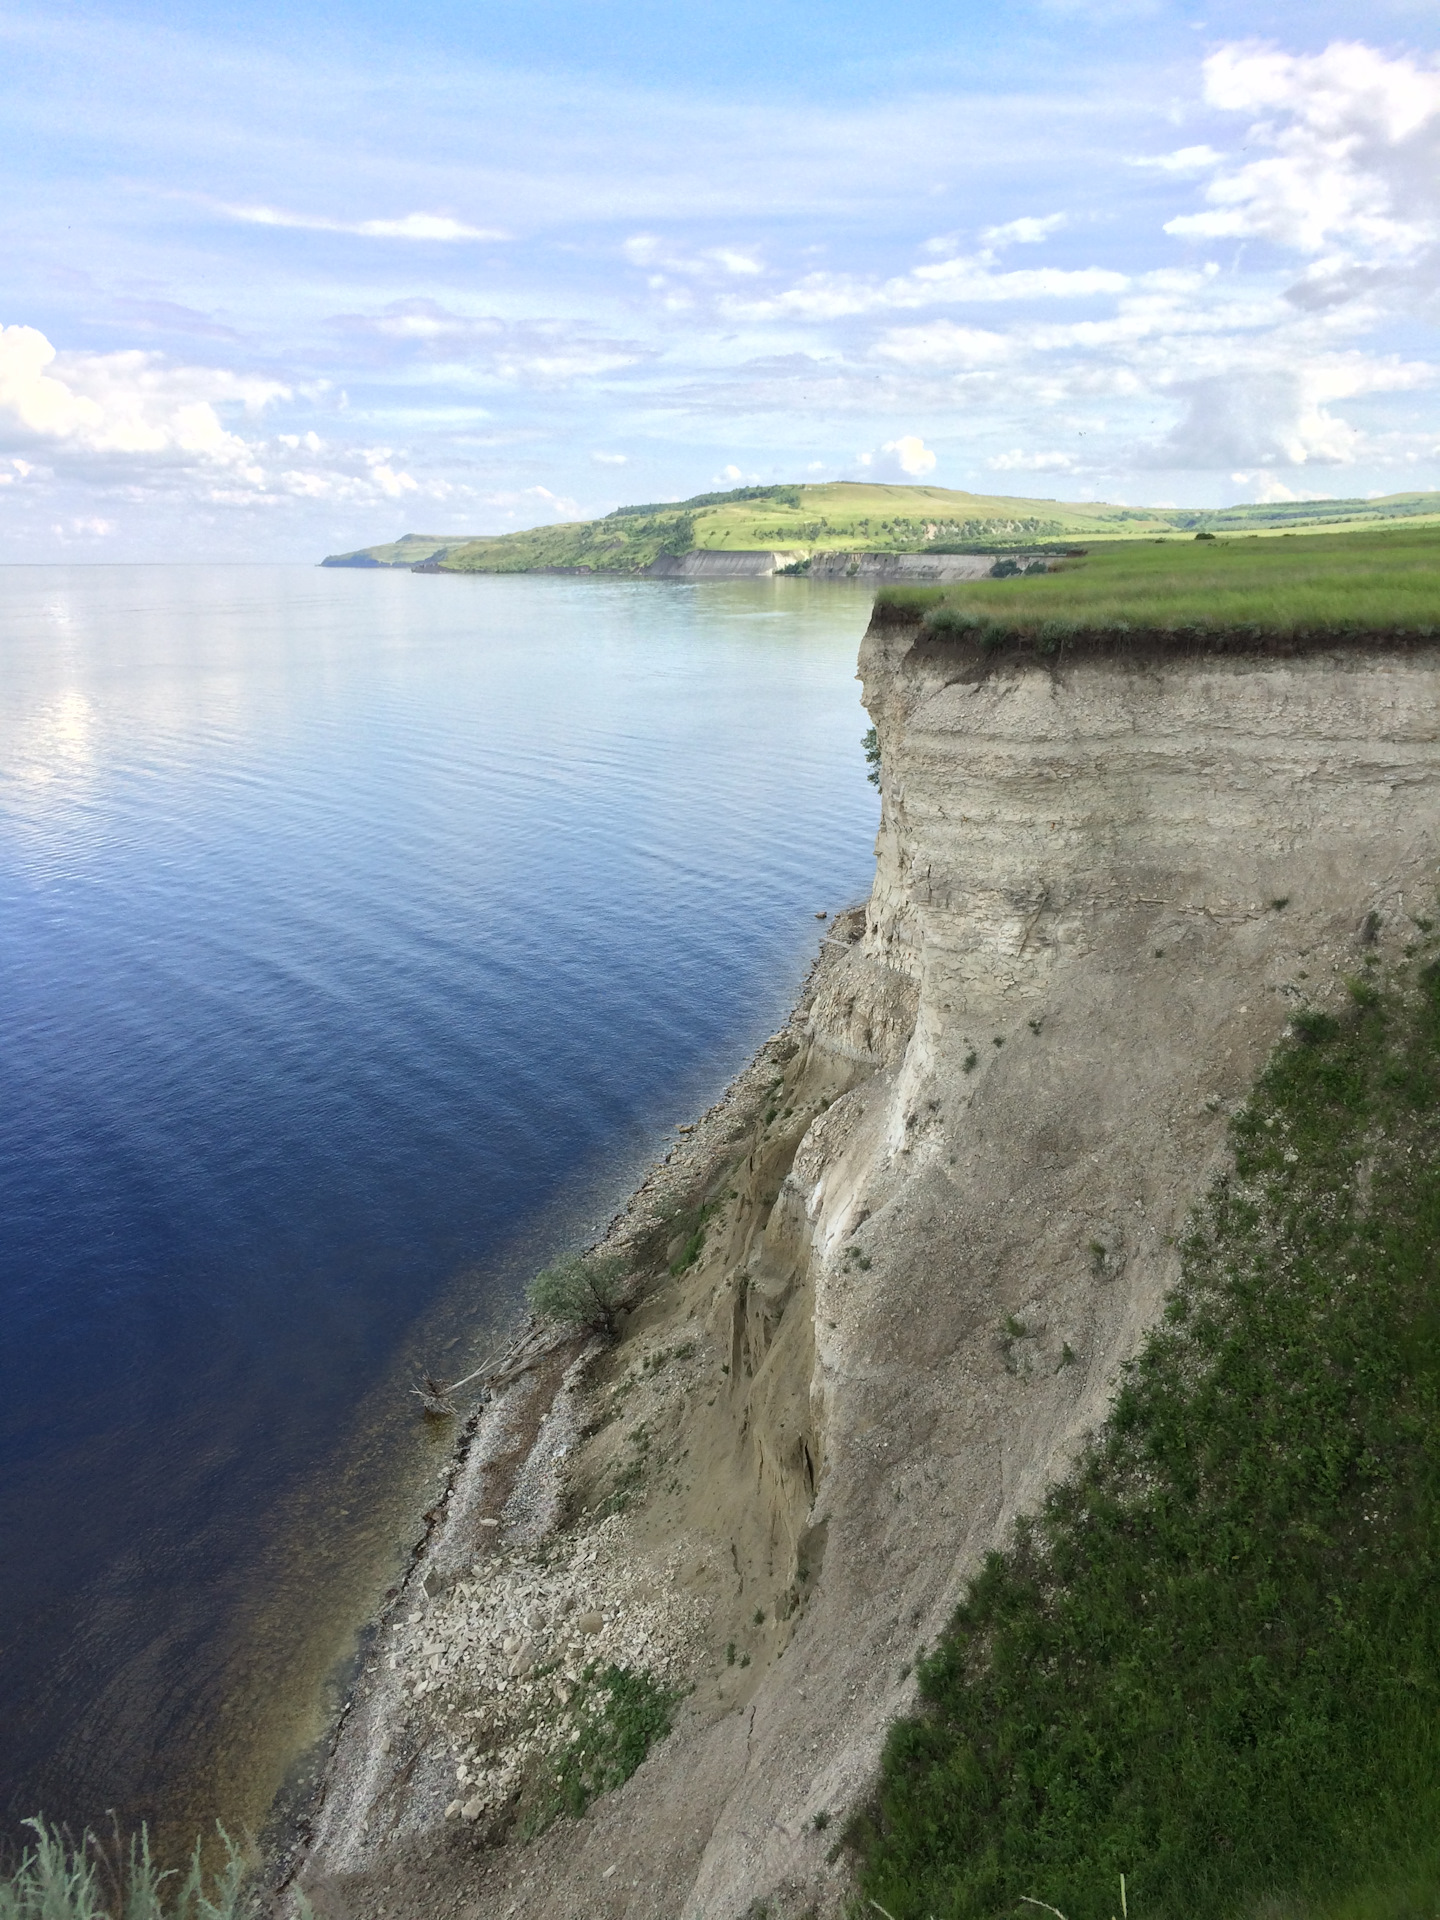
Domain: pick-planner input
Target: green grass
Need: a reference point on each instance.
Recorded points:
(1212, 1661)
(1324, 584)
(56, 1880)
(619, 1715)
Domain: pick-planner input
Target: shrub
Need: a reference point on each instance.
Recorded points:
(586, 1291)
(870, 740)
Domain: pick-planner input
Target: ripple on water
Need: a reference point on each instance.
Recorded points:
(362, 936)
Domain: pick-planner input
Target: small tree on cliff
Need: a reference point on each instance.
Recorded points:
(585, 1291)
(870, 740)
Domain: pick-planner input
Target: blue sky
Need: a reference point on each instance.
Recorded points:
(301, 281)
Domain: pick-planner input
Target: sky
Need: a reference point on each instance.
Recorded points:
(293, 279)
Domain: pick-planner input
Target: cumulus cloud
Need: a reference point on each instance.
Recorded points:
(124, 403)
(1027, 231)
(1275, 415)
(609, 459)
(135, 424)
(409, 226)
(907, 458)
(1353, 161)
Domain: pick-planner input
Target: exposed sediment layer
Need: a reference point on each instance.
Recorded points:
(707, 565)
(944, 1204)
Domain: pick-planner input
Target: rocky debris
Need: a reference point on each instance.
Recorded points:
(494, 1663)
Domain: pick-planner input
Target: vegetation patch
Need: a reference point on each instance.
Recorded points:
(856, 515)
(1212, 1661)
(57, 1880)
(614, 1718)
(1260, 591)
(586, 1292)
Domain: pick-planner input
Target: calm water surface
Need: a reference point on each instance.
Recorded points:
(361, 936)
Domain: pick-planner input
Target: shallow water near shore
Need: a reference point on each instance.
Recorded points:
(362, 935)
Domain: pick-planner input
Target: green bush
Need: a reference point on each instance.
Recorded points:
(586, 1291)
(1212, 1662)
(870, 741)
(56, 1880)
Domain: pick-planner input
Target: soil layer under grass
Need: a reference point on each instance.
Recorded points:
(1323, 586)
(1212, 1662)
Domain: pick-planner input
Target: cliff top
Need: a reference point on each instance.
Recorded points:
(844, 515)
(1372, 582)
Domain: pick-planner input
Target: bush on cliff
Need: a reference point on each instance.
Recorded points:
(1212, 1662)
(586, 1292)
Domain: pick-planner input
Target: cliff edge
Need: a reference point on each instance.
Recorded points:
(893, 1275)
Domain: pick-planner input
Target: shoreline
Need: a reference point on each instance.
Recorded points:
(503, 1498)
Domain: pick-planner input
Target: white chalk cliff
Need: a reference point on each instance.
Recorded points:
(946, 1207)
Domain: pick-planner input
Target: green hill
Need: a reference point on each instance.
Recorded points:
(797, 521)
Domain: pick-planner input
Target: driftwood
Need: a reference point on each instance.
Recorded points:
(435, 1398)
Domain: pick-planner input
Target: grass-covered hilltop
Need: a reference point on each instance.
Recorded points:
(1262, 592)
(797, 522)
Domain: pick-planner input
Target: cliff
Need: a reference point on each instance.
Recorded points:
(894, 1273)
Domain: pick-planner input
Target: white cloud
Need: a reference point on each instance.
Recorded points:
(1264, 416)
(124, 403)
(1183, 160)
(1271, 492)
(941, 343)
(907, 458)
(410, 226)
(609, 459)
(829, 296)
(1027, 231)
(1354, 160)
(535, 352)
(1019, 461)
(649, 251)
(135, 424)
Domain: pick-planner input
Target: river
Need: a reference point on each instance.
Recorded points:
(362, 936)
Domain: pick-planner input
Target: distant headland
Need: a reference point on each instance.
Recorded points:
(848, 528)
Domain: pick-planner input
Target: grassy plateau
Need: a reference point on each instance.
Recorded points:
(1212, 1662)
(1367, 581)
(849, 515)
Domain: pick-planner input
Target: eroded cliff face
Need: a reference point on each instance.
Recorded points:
(944, 1211)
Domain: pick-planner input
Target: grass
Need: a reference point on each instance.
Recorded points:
(57, 1880)
(1212, 1661)
(617, 1715)
(1325, 584)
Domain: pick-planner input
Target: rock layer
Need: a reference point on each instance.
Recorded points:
(944, 1208)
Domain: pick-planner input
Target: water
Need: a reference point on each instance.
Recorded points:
(361, 935)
